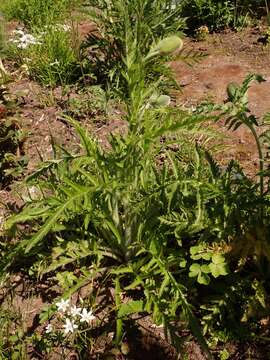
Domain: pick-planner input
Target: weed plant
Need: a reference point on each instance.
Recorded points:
(55, 61)
(221, 14)
(155, 217)
(112, 201)
(52, 58)
(36, 13)
(106, 48)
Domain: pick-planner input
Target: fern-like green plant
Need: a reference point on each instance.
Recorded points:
(105, 206)
(151, 20)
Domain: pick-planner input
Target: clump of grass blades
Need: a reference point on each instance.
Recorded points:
(36, 13)
(53, 57)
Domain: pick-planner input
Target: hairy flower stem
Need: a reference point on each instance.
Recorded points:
(119, 322)
(261, 158)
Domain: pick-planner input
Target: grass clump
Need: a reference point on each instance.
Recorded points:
(55, 61)
(50, 56)
(36, 13)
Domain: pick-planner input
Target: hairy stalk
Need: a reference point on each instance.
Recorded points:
(119, 322)
(261, 158)
(266, 7)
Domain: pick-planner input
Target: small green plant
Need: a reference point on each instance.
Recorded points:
(12, 161)
(49, 55)
(55, 61)
(67, 326)
(12, 336)
(107, 47)
(216, 267)
(91, 102)
(36, 13)
(216, 15)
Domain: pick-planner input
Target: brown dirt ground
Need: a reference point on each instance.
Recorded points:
(229, 57)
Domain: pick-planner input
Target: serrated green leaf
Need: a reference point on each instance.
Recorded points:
(218, 258)
(194, 270)
(203, 279)
(183, 263)
(132, 307)
(205, 269)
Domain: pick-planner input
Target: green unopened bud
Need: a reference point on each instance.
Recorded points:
(232, 90)
(169, 45)
(160, 101)
(166, 47)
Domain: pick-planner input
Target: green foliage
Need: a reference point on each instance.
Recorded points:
(36, 13)
(12, 161)
(154, 217)
(221, 14)
(112, 201)
(54, 59)
(215, 14)
(92, 102)
(12, 346)
(216, 267)
(106, 48)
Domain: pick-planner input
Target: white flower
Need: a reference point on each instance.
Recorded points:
(22, 46)
(87, 316)
(75, 311)
(62, 305)
(18, 32)
(23, 40)
(15, 41)
(48, 329)
(56, 62)
(69, 326)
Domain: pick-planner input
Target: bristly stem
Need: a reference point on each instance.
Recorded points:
(119, 322)
(261, 158)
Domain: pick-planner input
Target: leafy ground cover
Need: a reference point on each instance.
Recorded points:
(130, 225)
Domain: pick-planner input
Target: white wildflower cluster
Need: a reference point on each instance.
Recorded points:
(57, 27)
(72, 316)
(23, 39)
(55, 63)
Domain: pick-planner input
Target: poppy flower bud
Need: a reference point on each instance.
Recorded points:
(160, 101)
(169, 45)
